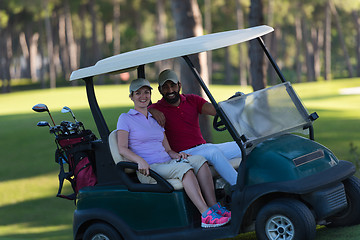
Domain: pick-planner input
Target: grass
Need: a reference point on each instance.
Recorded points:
(28, 175)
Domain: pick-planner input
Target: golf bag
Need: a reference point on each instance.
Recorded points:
(76, 150)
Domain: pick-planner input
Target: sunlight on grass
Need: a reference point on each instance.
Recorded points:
(27, 228)
(28, 189)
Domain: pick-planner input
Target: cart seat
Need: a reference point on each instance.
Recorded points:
(117, 157)
(176, 183)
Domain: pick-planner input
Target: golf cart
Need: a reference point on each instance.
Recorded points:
(287, 183)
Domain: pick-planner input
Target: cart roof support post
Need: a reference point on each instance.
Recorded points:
(96, 112)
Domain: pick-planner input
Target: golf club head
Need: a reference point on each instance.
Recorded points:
(43, 124)
(40, 108)
(66, 109)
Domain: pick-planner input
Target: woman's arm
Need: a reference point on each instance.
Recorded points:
(172, 153)
(122, 139)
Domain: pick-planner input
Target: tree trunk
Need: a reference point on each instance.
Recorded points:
(341, 37)
(50, 45)
(242, 47)
(34, 56)
(6, 56)
(271, 41)
(188, 23)
(161, 33)
(357, 27)
(228, 70)
(25, 51)
(208, 30)
(72, 48)
(64, 54)
(256, 54)
(83, 48)
(116, 26)
(94, 35)
(318, 41)
(298, 61)
(327, 42)
(138, 23)
(309, 51)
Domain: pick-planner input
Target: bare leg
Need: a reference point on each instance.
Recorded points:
(206, 184)
(192, 189)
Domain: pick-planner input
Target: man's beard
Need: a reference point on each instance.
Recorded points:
(172, 100)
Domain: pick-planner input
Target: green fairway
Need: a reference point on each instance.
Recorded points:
(28, 175)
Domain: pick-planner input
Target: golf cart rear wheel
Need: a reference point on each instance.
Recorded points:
(287, 219)
(101, 231)
(351, 215)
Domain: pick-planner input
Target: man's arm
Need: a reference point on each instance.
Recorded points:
(158, 116)
(208, 109)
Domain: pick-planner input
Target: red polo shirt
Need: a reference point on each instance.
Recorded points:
(182, 123)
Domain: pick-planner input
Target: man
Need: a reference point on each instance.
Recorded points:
(179, 114)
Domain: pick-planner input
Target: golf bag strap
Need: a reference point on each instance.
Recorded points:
(64, 175)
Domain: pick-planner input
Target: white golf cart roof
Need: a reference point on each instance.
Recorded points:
(131, 60)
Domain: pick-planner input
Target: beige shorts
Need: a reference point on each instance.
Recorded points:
(173, 169)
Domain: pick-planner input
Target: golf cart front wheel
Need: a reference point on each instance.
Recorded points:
(101, 231)
(287, 219)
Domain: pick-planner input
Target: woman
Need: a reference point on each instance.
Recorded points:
(142, 140)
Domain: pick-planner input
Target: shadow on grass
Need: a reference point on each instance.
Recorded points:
(44, 218)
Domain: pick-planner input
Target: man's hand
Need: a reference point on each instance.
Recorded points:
(158, 116)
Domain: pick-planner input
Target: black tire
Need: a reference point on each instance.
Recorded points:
(101, 231)
(287, 219)
(351, 215)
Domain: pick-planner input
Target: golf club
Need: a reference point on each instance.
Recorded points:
(66, 109)
(46, 124)
(43, 124)
(42, 108)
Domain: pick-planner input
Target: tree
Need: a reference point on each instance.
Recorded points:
(256, 54)
(357, 27)
(188, 22)
(327, 40)
(50, 44)
(341, 37)
(242, 57)
(161, 33)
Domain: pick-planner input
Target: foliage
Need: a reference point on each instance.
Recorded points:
(138, 28)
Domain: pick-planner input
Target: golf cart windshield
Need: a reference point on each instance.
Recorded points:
(266, 113)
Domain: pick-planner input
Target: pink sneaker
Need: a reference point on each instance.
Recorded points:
(221, 210)
(211, 219)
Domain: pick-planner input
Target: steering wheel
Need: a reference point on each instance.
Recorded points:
(218, 124)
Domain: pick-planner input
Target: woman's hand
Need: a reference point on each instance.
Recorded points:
(144, 168)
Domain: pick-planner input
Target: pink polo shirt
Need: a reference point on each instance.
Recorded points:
(145, 136)
(182, 123)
